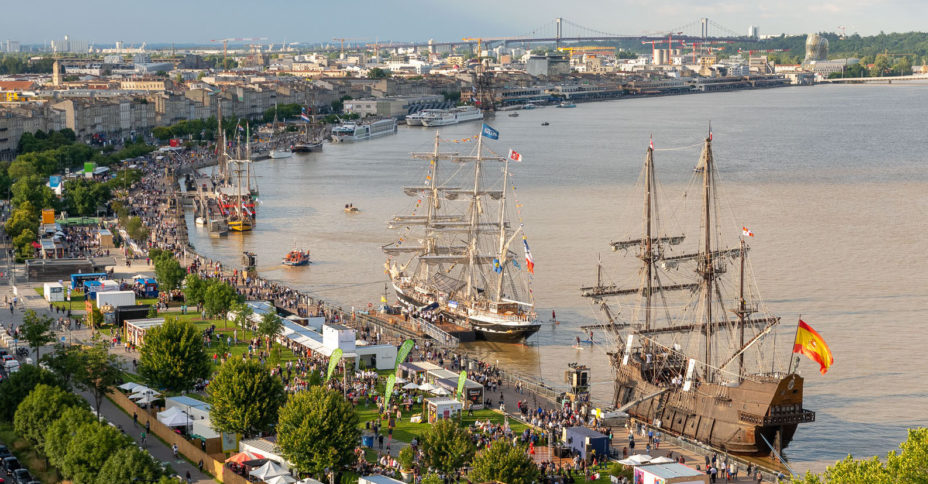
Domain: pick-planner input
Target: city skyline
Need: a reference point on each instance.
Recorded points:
(416, 20)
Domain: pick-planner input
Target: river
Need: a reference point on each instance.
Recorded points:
(831, 179)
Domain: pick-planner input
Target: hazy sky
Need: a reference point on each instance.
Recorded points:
(320, 20)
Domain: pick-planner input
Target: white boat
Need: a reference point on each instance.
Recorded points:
(347, 132)
(281, 153)
(200, 221)
(415, 119)
(454, 116)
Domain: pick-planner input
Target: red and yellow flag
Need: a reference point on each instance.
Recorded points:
(809, 343)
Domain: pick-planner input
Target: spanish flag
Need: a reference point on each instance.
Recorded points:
(809, 343)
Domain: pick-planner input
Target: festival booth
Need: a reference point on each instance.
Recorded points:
(381, 357)
(136, 328)
(266, 447)
(473, 391)
(146, 286)
(54, 292)
(416, 370)
(442, 408)
(114, 299)
(669, 474)
(105, 239)
(432, 376)
(585, 441)
(91, 288)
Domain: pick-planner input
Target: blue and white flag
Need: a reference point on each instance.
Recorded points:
(304, 117)
(489, 132)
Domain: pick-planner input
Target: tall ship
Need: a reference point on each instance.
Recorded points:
(454, 259)
(235, 187)
(310, 138)
(453, 116)
(347, 132)
(695, 348)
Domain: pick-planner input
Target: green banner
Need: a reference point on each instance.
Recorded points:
(403, 352)
(333, 362)
(461, 379)
(388, 392)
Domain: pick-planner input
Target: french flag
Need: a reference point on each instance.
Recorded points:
(529, 260)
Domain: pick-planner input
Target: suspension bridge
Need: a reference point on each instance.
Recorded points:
(563, 31)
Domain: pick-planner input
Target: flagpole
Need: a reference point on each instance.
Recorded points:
(791, 351)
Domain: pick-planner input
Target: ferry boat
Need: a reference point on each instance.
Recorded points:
(415, 119)
(296, 257)
(454, 116)
(479, 282)
(347, 132)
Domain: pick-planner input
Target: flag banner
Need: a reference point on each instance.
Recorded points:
(515, 155)
(333, 362)
(403, 352)
(461, 379)
(489, 132)
(496, 267)
(529, 260)
(745, 232)
(388, 392)
(809, 343)
(304, 117)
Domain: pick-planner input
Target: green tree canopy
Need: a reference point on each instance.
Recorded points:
(15, 388)
(219, 298)
(130, 464)
(504, 462)
(269, 327)
(64, 362)
(173, 356)
(195, 289)
(318, 429)
(245, 398)
(89, 449)
(243, 313)
(910, 465)
(62, 430)
(39, 409)
(447, 446)
(168, 272)
(37, 331)
(98, 373)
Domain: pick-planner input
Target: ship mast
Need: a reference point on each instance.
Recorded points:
(647, 256)
(706, 270)
(501, 258)
(474, 207)
(741, 313)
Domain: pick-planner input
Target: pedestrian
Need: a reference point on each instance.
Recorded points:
(143, 436)
(174, 450)
(135, 419)
(189, 480)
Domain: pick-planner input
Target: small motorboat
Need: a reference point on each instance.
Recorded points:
(566, 104)
(513, 115)
(350, 208)
(296, 257)
(200, 221)
(545, 123)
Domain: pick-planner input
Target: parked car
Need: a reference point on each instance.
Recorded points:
(22, 476)
(10, 464)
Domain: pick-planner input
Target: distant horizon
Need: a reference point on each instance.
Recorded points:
(312, 22)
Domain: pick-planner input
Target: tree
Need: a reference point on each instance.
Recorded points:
(23, 243)
(62, 430)
(378, 73)
(269, 327)
(99, 372)
(131, 464)
(243, 313)
(136, 230)
(15, 387)
(447, 446)
(219, 298)
(504, 462)
(318, 429)
(173, 356)
(89, 449)
(168, 272)
(881, 66)
(909, 465)
(37, 331)
(64, 362)
(39, 409)
(245, 398)
(195, 289)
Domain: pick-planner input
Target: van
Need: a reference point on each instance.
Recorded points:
(11, 366)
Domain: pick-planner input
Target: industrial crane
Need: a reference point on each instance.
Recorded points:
(342, 41)
(225, 44)
(669, 42)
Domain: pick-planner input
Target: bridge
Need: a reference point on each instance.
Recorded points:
(877, 80)
(563, 31)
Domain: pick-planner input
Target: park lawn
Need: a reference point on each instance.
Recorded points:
(405, 430)
(225, 329)
(28, 456)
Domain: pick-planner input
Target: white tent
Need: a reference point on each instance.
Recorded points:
(661, 460)
(141, 392)
(640, 458)
(129, 386)
(400, 379)
(410, 386)
(309, 480)
(427, 387)
(174, 417)
(281, 479)
(628, 462)
(147, 399)
(268, 470)
(441, 392)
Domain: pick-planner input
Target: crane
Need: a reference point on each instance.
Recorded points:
(843, 30)
(225, 44)
(669, 42)
(342, 41)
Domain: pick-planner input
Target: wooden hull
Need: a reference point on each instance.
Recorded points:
(731, 418)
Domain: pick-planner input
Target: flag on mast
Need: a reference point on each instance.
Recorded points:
(809, 343)
(515, 155)
(529, 260)
(745, 232)
(489, 132)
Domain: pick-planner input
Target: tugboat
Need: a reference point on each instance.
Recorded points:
(296, 257)
(350, 208)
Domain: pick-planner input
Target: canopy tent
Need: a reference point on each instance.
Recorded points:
(129, 386)
(627, 462)
(410, 386)
(281, 479)
(662, 460)
(401, 380)
(441, 392)
(148, 392)
(268, 470)
(148, 399)
(175, 418)
(640, 459)
(309, 480)
(243, 457)
(427, 387)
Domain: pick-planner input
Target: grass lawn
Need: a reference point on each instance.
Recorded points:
(405, 430)
(27, 456)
